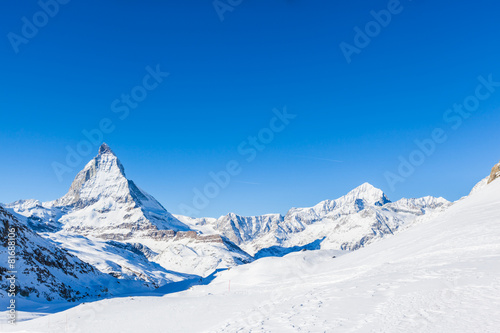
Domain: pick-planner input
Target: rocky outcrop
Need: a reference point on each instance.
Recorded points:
(495, 173)
(194, 236)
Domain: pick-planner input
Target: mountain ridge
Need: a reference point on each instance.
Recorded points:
(106, 220)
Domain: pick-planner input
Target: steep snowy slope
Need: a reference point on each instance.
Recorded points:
(129, 261)
(479, 186)
(45, 272)
(441, 275)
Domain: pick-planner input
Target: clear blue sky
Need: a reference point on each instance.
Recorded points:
(353, 120)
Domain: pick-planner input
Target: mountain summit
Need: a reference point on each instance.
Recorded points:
(104, 176)
(368, 193)
(108, 221)
(102, 201)
(104, 149)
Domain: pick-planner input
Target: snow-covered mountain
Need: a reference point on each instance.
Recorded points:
(347, 223)
(102, 202)
(439, 275)
(108, 221)
(45, 272)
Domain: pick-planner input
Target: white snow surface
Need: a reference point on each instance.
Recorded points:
(440, 275)
(480, 185)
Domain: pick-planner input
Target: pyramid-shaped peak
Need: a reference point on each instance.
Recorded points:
(105, 149)
(103, 176)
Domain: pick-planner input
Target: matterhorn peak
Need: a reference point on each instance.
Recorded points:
(102, 186)
(103, 176)
(105, 149)
(106, 161)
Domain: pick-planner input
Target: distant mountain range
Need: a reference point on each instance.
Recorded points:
(106, 231)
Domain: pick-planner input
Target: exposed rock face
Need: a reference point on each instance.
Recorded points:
(244, 229)
(193, 235)
(495, 173)
(136, 248)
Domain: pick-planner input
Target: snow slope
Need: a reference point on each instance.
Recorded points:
(441, 275)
